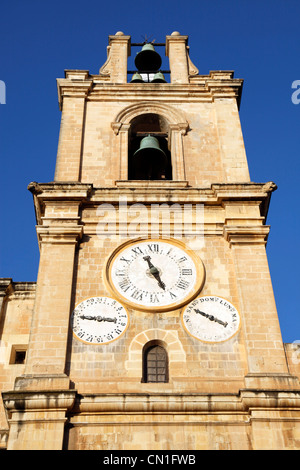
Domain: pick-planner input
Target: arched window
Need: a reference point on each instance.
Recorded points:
(155, 363)
(151, 167)
(167, 123)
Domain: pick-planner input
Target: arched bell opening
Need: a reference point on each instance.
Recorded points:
(149, 157)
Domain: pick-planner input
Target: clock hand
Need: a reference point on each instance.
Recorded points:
(98, 318)
(211, 317)
(155, 273)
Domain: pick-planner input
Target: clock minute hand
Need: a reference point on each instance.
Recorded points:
(154, 271)
(211, 317)
(98, 318)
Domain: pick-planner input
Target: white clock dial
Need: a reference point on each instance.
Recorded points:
(211, 319)
(99, 320)
(155, 274)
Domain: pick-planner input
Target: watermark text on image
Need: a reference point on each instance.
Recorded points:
(296, 94)
(2, 92)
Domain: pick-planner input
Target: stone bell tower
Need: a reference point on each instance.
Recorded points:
(154, 324)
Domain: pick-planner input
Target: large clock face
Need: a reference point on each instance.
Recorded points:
(155, 274)
(99, 320)
(211, 319)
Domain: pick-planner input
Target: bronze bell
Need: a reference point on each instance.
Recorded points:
(137, 78)
(150, 160)
(148, 60)
(158, 78)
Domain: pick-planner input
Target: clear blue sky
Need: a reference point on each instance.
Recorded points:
(259, 40)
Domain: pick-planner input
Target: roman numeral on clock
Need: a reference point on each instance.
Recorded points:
(154, 298)
(186, 272)
(137, 295)
(125, 284)
(153, 247)
(137, 251)
(182, 284)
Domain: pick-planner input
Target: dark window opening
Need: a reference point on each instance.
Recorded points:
(18, 354)
(151, 162)
(20, 357)
(155, 366)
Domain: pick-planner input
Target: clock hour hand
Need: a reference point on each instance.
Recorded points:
(98, 318)
(155, 273)
(211, 317)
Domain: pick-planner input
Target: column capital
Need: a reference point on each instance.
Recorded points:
(62, 234)
(75, 85)
(241, 235)
(50, 400)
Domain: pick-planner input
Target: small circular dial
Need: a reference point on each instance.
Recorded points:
(211, 319)
(99, 320)
(155, 274)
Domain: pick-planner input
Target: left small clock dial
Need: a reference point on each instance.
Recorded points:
(99, 320)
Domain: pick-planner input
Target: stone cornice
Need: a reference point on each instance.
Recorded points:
(46, 192)
(76, 189)
(143, 192)
(204, 91)
(8, 287)
(76, 84)
(147, 403)
(206, 88)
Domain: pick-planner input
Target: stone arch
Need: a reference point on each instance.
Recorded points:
(171, 114)
(177, 127)
(176, 353)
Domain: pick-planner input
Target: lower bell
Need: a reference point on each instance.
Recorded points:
(150, 160)
(158, 78)
(136, 78)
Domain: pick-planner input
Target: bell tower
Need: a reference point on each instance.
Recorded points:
(154, 324)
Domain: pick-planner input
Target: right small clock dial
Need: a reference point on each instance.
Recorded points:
(211, 319)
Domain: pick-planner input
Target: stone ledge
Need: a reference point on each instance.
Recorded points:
(148, 403)
(52, 400)
(164, 184)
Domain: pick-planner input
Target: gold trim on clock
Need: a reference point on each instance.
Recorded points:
(97, 343)
(168, 267)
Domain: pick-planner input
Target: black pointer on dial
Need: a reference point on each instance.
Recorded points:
(211, 317)
(154, 271)
(97, 318)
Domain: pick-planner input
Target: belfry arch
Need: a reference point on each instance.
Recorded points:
(174, 124)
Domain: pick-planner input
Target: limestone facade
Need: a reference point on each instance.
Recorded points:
(242, 393)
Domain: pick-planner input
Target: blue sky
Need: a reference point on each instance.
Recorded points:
(259, 40)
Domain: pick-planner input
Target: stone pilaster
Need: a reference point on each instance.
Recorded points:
(267, 365)
(59, 231)
(176, 50)
(72, 93)
(115, 67)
